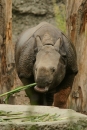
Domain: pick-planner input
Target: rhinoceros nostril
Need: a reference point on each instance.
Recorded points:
(43, 82)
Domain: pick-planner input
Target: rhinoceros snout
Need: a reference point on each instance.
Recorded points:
(43, 82)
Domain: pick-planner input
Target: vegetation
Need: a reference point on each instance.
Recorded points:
(10, 116)
(59, 11)
(16, 90)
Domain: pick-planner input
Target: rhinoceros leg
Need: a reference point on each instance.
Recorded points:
(60, 98)
(49, 98)
(35, 97)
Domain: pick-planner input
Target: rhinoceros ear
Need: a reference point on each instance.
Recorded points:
(39, 43)
(59, 47)
(57, 44)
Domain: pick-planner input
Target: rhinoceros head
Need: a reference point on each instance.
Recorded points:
(50, 67)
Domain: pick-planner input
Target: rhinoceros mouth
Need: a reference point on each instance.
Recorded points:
(41, 90)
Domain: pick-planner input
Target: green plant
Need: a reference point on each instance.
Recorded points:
(59, 12)
(16, 90)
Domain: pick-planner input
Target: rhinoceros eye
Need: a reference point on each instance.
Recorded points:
(52, 69)
(64, 56)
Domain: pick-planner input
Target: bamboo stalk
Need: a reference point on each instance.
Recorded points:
(18, 89)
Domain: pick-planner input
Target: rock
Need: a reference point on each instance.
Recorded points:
(29, 13)
(67, 119)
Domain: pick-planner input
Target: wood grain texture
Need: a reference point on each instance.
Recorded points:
(77, 31)
(6, 47)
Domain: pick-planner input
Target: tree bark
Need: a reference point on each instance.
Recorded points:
(6, 48)
(77, 32)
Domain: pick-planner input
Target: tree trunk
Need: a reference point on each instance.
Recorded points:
(77, 31)
(6, 48)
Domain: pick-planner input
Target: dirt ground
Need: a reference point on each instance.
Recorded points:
(21, 98)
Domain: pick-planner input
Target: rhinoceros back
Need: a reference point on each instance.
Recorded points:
(39, 30)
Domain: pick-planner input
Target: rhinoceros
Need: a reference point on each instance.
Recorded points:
(43, 54)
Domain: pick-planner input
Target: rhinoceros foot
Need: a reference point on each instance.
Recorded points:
(41, 90)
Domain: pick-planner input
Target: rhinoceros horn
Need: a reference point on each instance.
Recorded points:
(39, 43)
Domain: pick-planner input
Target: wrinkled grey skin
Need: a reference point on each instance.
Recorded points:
(44, 55)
